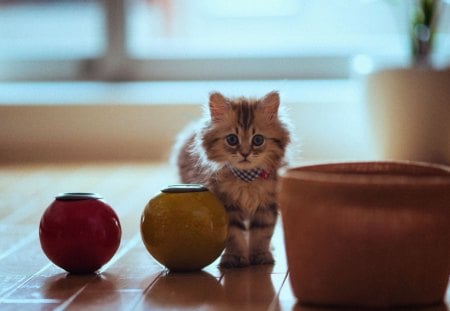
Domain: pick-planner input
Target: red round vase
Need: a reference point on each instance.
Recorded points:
(79, 232)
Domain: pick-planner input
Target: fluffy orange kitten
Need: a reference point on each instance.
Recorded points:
(236, 151)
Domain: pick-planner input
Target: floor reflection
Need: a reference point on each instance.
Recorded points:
(246, 289)
(93, 288)
(249, 288)
(184, 290)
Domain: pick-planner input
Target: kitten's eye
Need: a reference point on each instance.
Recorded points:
(258, 140)
(232, 140)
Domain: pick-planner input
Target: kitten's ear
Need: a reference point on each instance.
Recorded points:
(270, 104)
(218, 106)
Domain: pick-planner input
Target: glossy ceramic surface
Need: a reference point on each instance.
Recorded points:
(79, 232)
(184, 228)
(373, 234)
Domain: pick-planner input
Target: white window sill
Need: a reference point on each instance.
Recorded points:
(155, 93)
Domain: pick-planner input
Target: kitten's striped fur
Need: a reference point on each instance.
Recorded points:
(205, 154)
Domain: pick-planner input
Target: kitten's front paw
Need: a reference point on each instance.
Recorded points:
(233, 261)
(262, 258)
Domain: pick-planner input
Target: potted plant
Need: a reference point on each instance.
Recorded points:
(410, 106)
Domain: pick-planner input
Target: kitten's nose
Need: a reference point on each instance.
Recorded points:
(245, 154)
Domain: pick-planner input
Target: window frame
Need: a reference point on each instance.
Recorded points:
(115, 64)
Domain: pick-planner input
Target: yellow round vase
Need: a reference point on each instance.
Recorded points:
(184, 227)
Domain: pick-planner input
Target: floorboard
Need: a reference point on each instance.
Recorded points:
(132, 279)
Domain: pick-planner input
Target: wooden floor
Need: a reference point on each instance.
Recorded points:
(132, 280)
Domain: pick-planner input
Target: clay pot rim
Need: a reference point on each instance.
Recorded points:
(372, 173)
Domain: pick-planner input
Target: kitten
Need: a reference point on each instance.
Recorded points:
(236, 152)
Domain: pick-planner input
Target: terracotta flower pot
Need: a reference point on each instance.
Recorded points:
(410, 114)
(373, 234)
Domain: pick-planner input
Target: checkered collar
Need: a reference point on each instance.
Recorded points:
(249, 175)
